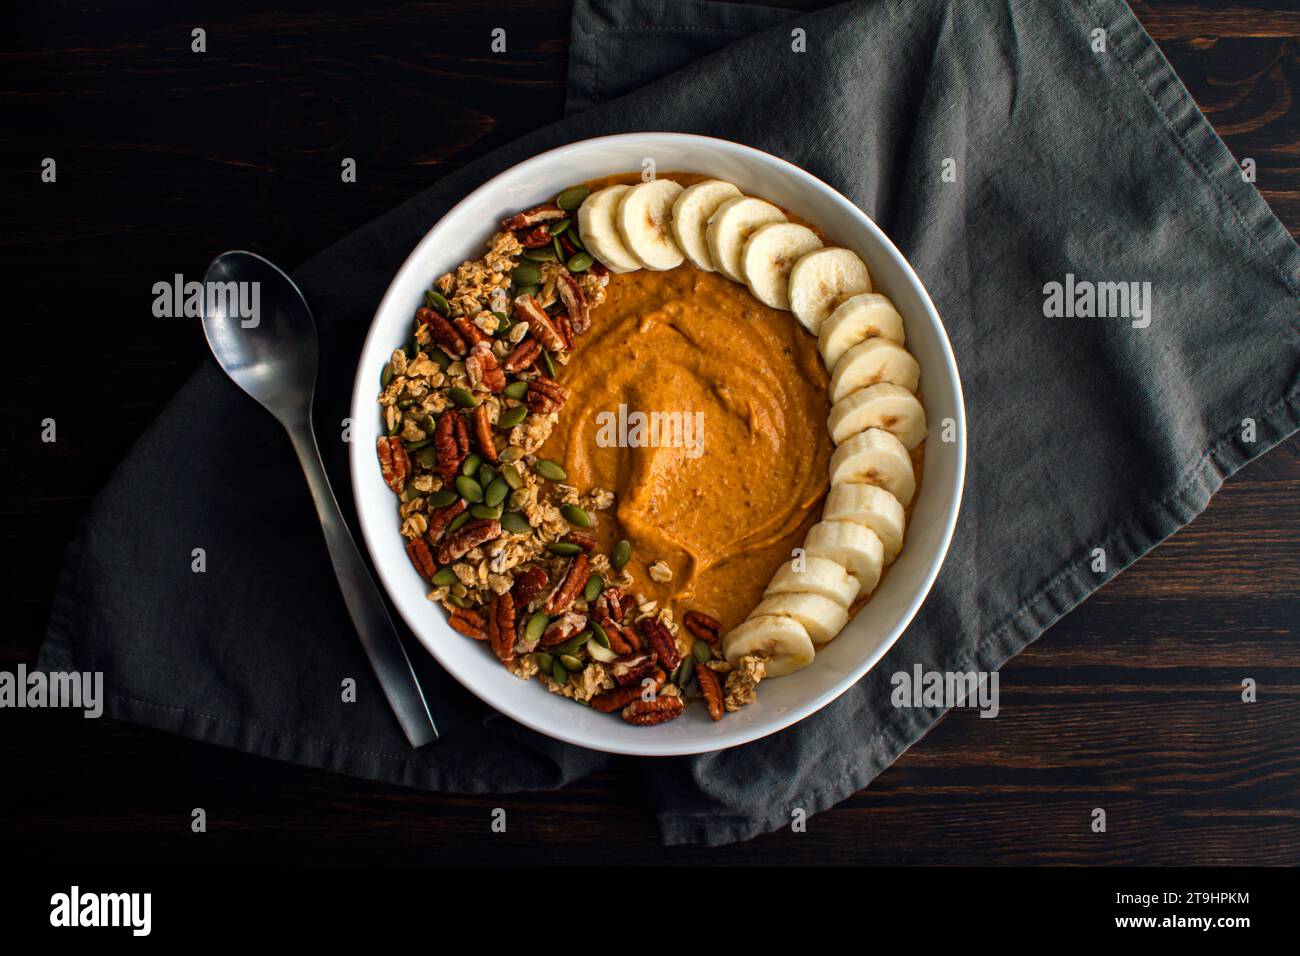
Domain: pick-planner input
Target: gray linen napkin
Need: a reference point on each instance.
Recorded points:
(1002, 150)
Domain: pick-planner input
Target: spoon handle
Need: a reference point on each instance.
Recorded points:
(365, 605)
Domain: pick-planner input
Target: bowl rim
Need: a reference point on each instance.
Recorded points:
(363, 399)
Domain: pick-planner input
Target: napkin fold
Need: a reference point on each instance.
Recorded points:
(1005, 146)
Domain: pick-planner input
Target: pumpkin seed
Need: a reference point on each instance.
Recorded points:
(526, 275)
(396, 427)
(572, 198)
(442, 497)
(471, 464)
(580, 262)
(559, 674)
(528, 290)
(685, 672)
(386, 376)
(576, 239)
(462, 397)
(486, 512)
(560, 227)
(517, 391)
(511, 474)
(565, 549)
(427, 457)
(549, 470)
(575, 515)
(536, 624)
(457, 522)
(548, 365)
(444, 577)
(702, 651)
(417, 445)
(496, 492)
(544, 660)
(409, 493)
(599, 634)
(559, 249)
(429, 424)
(486, 475)
(512, 416)
(572, 644)
(469, 489)
(440, 358)
(545, 254)
(518, 500)
(571, 662)
(515, 523)
(622, 554)
(457, 601)
(405, 402)
(434, 300)
(595, 585)
(511, 453)
(459, 590)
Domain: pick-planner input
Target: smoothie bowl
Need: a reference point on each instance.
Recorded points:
(657, 463)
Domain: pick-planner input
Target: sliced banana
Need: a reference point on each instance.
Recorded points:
(872, 361)
(644, 220)
(875, 457)
(730, 225)
(853, 545)
(822, 576)
(855, 320)
(783, 641)
(821, 617)
(598, 232)
(769, 255)
(691, 211)
(883, 405)
(873, 507)
(821, 280)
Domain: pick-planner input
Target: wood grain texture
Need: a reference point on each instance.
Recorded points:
(1131, 703)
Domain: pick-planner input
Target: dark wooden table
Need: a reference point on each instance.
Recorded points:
(165, 157)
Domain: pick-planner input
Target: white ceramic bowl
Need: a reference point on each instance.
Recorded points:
(461, 235)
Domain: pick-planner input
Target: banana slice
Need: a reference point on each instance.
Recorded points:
(883, 405)
(855, 320)
(691, 211)
(875, 457)
(820, 576)
(873, 507)
(782, 640)
(853, 545)
(872, 361)
(769, 255)
(730, 225)
(821, 617)
(599, 234)
(644, 220)
(821, 280)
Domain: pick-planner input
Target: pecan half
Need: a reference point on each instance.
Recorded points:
(420, 556)
(394, 464)
(711, 690)
(567, 591)
(469, 623)
(646, 713)
(583, 539)
(482, 368)
(443, 332)
(575, 301)
(501, 626)
(609, 604)
(634, 671)
(563, 627)
(450, 444)
(472, 333)
(536, 237)
(565, 328)
(439, 518)
(661, 641)
(599, 268)
(468, 537)
(529, 310)
(545, 395)
(483, 432)
(620, 697)
(702, 626)
(524, 355)
(530, 584)
(546, 212)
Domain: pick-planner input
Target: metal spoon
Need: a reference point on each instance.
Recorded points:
(271, 351)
